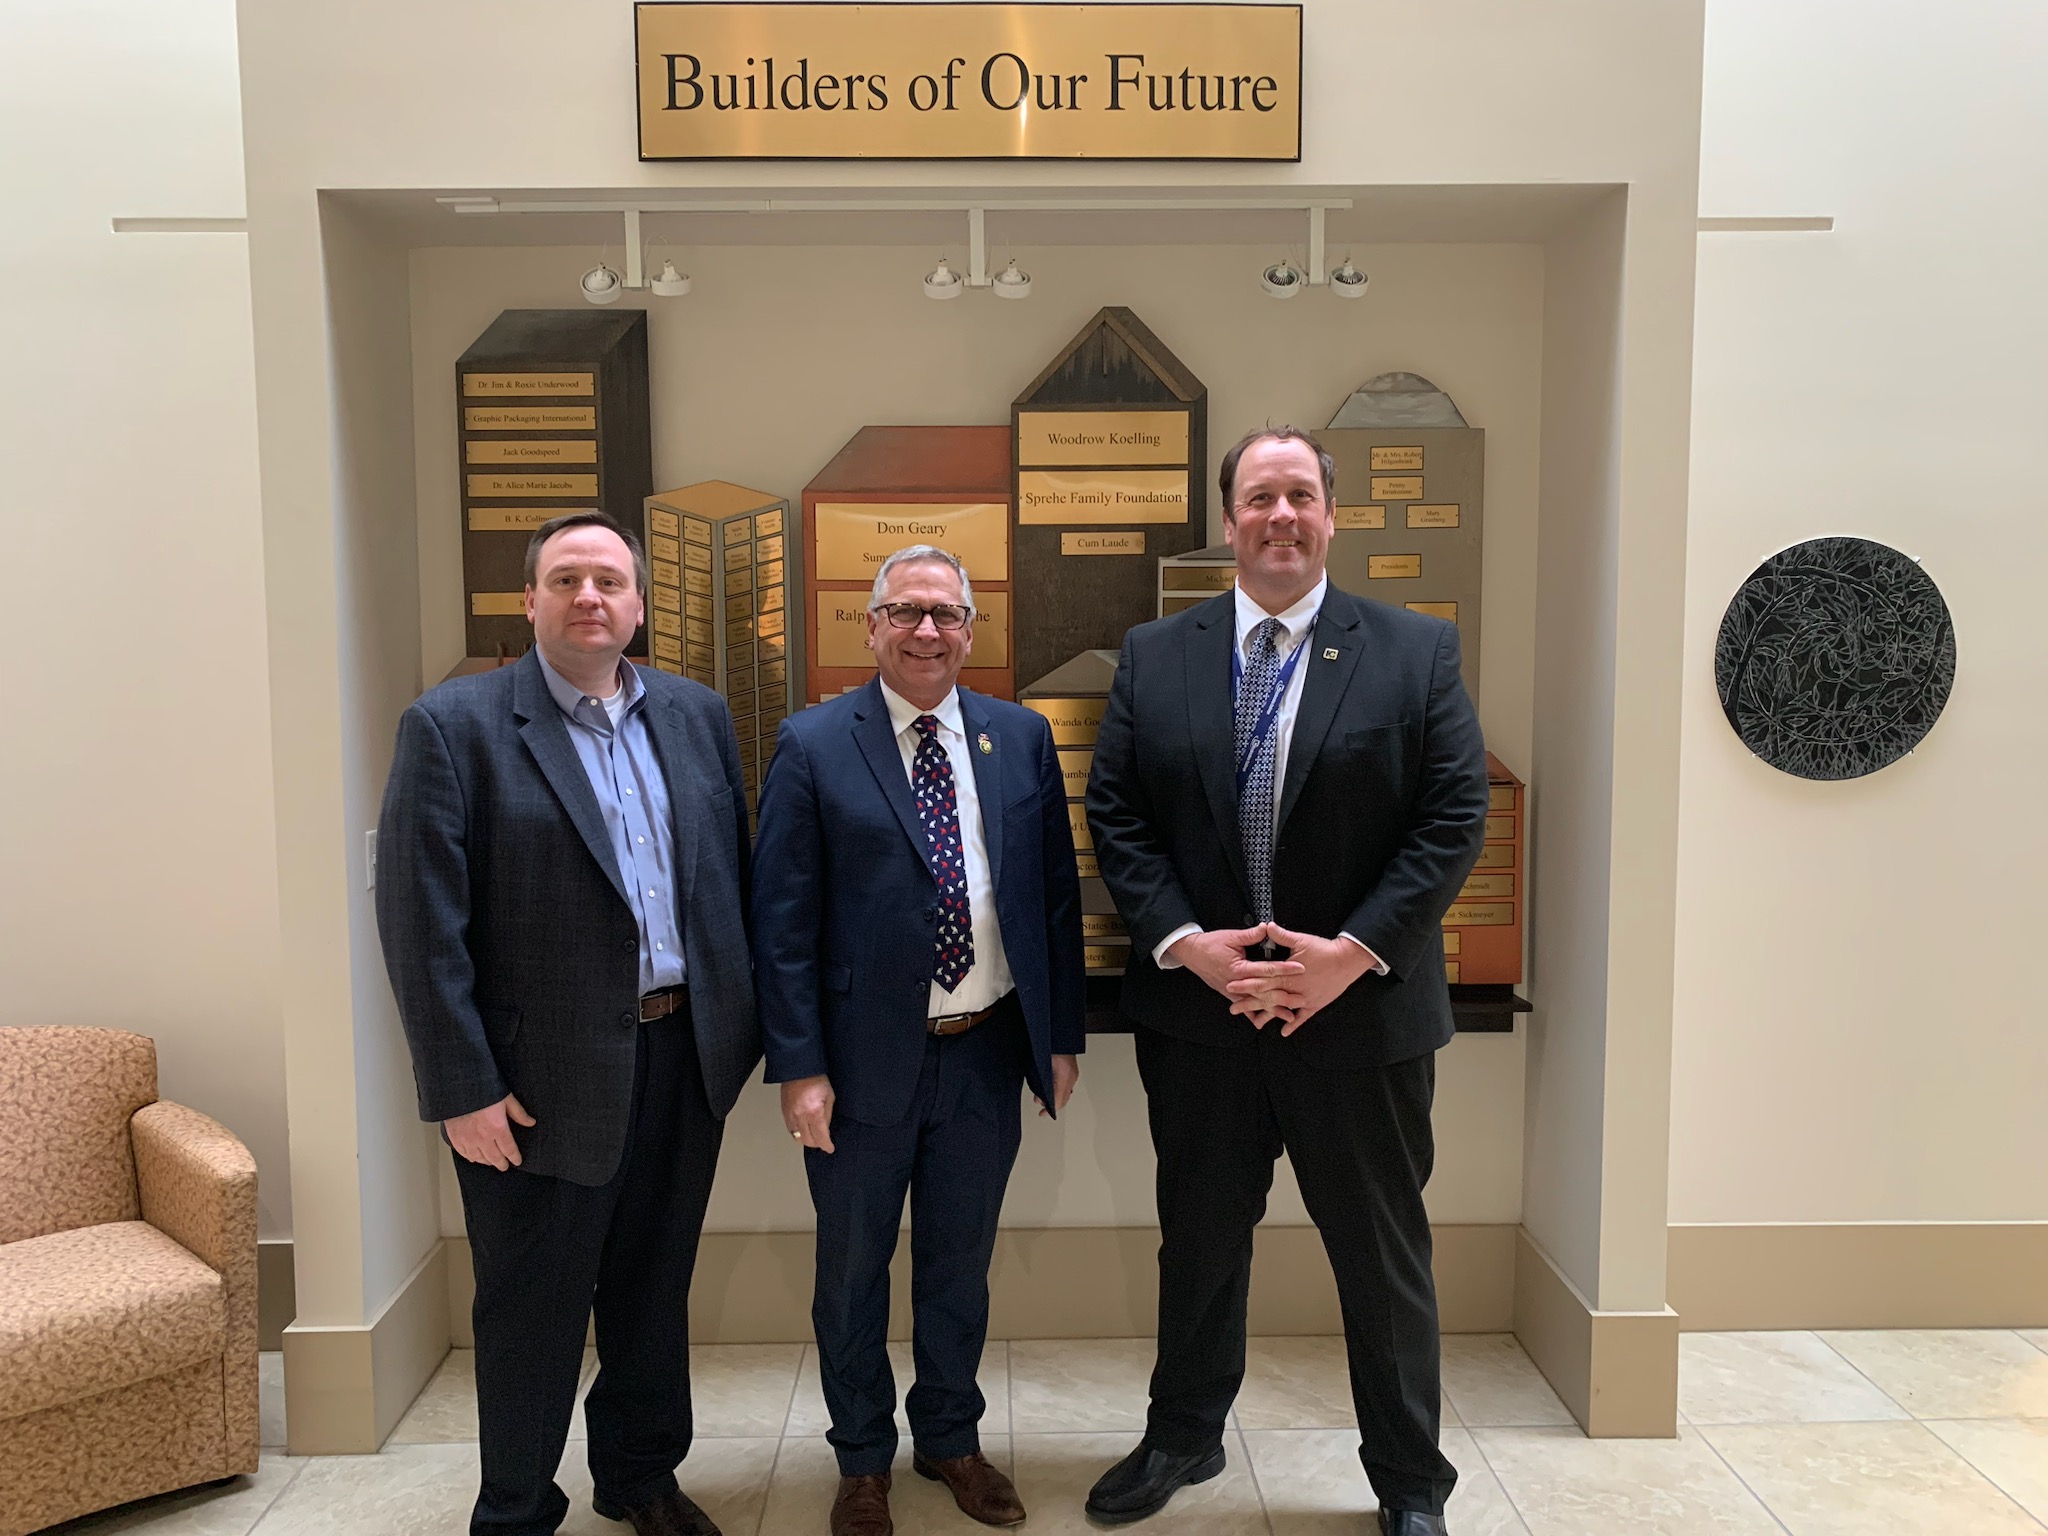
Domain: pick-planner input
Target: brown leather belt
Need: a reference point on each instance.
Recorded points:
(659, 1005)
(960, 1023)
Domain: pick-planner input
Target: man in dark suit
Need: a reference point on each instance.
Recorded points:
(561, 892)
(917, 911)
(1289, 788)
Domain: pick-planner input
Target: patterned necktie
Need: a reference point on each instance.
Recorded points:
(931, 780)
(1255, 799)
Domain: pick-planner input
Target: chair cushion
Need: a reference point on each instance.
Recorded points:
(66, 1096)
(86, 1311)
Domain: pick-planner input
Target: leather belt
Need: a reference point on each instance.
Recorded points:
(659, 1005)
(960, 1023)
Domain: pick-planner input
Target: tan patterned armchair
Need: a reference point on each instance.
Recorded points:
(127, 1282)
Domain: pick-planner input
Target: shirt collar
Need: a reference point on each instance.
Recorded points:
(902, 713)
(1294, 623)
(569, 698)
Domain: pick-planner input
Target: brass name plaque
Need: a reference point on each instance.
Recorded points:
(696, 530)
(1451, 971)
(1102, 496)
(1103, 925)
(498, 605)
(1371, 516)
(1074, 769)
(1397, 487)
(1383, 567)
(695, 556)
(1480, 887)
(1435, 610)
(768, 522)
(1077, 823)
(1433, 514)
(1102, 543)
(532, 485)
(1087, 866)
(1480, 914)
(1500, 797)
(1500, 829)
(510, 385)
(1103, 957)
(530, 418)
(515, 519)
(665, 623)
(854, 538)
(1198, 578)
(662, 521)
(842, 630)
(968, 82)
(739, 530)
(668, 648)
(1074, 721)
(661, 547)
(1102, 437)
(531, 451)
(1497, 856)
(1453, 941)
(1396, 458)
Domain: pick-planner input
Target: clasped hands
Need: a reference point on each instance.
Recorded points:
(1291, 991)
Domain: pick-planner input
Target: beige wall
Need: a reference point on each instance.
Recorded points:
(1857, 1027)
(137, 846)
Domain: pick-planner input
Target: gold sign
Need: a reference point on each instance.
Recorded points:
(1102, 543)
(1374, 516)
(1077, 823)
(1396, 458)
(1102, 957)
(1435, 610)
(1381, 567)
(1087, 867)
(1074, 721)
(1497, 856)
(526, 450)
(1453, 942)
(502, 385)
(1480, 914)
(1478, 887)
(667, 648)
(1103, 925)
(530, 418)
(854, 538)
(969, 82)
(664, 522)
(1500, 797)
(1102, 437)
(1451, 971)
(1198, 578)
(842, 630)
(1102, 496)
(1500, 829)
(498, 605)
(533, 485)
(515, 519)
(1433, 514)
(1396, 487)
(696, 530)
(1074, 767)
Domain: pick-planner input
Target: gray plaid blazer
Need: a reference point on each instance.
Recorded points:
(512, 951)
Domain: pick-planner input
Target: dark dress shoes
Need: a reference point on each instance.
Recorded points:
(1411, 1522)
(981, 1491)
(861, 1507)
(1143, 1481)
(675, 1513)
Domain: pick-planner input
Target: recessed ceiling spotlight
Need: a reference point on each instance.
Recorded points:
(671, 284)
(942, 282)
(601, 285)
(1010, 283)
(1347, 282)
(1281, 281)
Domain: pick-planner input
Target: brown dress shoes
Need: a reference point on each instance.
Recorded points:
(981, 1491)
(675, 1513)
(861, 1507)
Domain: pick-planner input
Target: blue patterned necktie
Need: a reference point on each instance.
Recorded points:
(931, 780)
(1255, 798)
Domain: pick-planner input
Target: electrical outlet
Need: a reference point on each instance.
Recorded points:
(370, 860)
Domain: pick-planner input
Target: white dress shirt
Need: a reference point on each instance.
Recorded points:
(988, 979)
(1297, 623)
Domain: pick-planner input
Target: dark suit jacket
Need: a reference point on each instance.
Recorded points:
(845, 902)
(1381, 817)
(511, 948)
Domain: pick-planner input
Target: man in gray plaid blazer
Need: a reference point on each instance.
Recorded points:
(562, 894)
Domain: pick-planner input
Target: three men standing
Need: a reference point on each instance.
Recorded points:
(561, 898)
(1289, 788)
(917, 924)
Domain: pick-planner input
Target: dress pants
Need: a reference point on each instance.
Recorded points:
(952, 1154)
(1362, 1148)
(546, 1253)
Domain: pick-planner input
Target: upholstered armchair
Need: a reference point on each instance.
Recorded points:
(127, 1282)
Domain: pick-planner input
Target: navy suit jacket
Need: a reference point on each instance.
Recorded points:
(1381, 817)
(845, 904)
(512, 951)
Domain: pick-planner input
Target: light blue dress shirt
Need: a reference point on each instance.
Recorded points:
(617, 752)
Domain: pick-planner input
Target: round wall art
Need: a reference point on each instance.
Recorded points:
(1835, 658)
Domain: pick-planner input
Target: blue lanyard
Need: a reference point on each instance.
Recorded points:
(1269, 713)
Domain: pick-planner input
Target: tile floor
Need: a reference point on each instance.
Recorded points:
(1784, 1434)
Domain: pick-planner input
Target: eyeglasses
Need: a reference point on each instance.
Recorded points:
(910, 615)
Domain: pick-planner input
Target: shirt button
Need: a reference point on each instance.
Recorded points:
(639, 839)
(629, 791)
(650, 893)
(659, 945)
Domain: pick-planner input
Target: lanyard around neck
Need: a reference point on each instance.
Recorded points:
(1269, 712)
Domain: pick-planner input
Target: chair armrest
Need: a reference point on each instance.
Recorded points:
(198, 1186)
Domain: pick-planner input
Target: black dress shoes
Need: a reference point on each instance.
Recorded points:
(1143, 1481)
(673, 1514)
(1411, 1522)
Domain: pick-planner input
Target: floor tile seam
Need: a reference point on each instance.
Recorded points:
(1498, 1481)
(775, 1461)
(1251, 1467)
(1761, 1502)
(1984, 1472)
(264, 1513)
(2041, 1344)
(1905, 1408)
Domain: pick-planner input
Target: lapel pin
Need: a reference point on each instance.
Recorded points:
(1330, 653)
(985, 744)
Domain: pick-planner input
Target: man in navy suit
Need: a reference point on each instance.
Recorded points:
(917, 913)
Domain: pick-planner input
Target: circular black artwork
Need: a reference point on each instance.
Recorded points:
(1835, 658)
